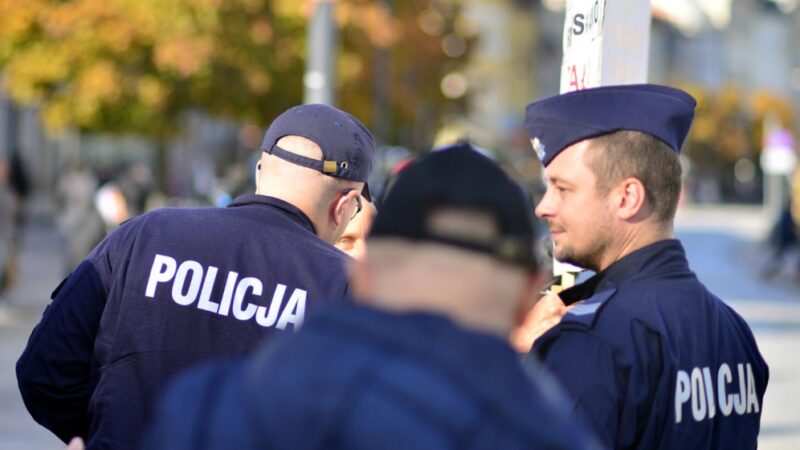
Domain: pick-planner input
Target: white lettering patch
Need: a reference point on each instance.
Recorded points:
(191, 282)
(705, 392)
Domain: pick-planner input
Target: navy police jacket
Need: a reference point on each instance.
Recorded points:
(651, 359)
(164, 291)
(357, 378)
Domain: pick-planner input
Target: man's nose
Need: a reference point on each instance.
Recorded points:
(545, 207)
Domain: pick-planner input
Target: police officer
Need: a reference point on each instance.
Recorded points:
(174, 287)
(650, 358)
(420, 360)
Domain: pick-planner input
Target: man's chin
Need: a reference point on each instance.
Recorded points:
(569, 259)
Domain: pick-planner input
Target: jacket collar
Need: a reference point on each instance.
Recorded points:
(287, 209)
(663, 258)
(466, 357)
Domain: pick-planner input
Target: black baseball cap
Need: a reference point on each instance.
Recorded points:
(347, 145)
(460, 177)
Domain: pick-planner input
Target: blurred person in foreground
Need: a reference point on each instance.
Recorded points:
(354, 239)
(419, 360)
(649, 357)
(175, 287)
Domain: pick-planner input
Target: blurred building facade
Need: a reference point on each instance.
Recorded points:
(741, 56)
(500, 70)
(741, 59)
(708, 46)
(24, 144)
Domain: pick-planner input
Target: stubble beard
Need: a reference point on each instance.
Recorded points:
(589, 257)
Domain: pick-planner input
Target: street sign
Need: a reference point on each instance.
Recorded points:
(778, 156)
(605, 43)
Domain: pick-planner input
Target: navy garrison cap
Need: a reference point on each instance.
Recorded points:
(459, 177)
(347, 146)
(555, 123)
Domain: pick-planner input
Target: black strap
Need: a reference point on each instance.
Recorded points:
(329, 167)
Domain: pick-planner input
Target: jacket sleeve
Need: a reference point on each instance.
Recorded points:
(56, 372)
(584, 366)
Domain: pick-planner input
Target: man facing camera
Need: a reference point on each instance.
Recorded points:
(354, 239)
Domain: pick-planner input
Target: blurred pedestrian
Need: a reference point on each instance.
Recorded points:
(650, 358)
(782, 241)
(7, 228)
(175, 287)
(13, 196)
(354, 239)
(111, 204)
(784, 237)
(20, 183)
(420, 361)
(79, 222)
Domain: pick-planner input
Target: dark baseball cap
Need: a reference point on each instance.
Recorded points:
(347, 145)
(557, 122)
(459, 177)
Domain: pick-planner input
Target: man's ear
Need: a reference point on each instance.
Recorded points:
(630, 198)
(339, 207)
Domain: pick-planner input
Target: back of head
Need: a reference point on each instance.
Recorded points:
(292, 182)
(314, 157)
(346, 146)
(459, 181)
(454, 235)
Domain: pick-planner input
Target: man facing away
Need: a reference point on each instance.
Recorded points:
(175, 287)
(420, 360)
(649, 357)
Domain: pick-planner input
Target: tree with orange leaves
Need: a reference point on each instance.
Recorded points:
(136, 65)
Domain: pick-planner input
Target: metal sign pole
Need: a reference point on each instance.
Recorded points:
(320, 77)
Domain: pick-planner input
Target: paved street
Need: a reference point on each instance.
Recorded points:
(39, 273)
(723, 245)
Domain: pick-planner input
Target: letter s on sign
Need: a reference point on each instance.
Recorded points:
(578, 24)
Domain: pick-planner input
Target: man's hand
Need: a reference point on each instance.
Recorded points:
(76, 444)
(545, 314)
